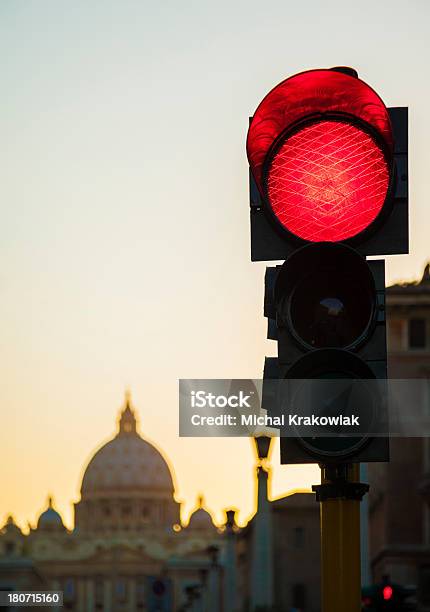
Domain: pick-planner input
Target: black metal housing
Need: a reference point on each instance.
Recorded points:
(370, 348)
(293, 451)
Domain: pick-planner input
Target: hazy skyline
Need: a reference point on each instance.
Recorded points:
(124, 236)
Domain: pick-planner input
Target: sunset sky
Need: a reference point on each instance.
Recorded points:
(124, 235)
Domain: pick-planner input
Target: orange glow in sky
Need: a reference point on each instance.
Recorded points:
(124, 234)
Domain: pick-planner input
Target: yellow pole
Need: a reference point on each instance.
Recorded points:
(340, 542)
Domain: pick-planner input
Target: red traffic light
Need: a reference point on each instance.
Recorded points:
(387, 592)
(327, 181)
(320, 149)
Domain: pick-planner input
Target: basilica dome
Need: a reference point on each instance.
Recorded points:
(127, 462)
(124, 463)
(127, 481)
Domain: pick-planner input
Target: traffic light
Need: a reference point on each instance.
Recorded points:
(389, 597)
(328, 162)
(387, 593)
(328, 187)
(329, 321)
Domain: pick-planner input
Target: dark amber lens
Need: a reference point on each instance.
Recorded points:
(325, 294)
(328, 310)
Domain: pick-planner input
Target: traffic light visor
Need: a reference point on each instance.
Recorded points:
(320, 149)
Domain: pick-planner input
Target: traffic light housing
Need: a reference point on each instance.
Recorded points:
(387, 596)
(312, 100)
(328, 186)
(326, 309)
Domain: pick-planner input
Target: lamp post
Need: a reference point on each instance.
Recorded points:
(230, 600)
(262, 538)
(214, 586)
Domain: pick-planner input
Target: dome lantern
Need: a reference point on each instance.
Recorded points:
(127, 421)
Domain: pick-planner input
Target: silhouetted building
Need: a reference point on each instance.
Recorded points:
(399, 498)
(279, 553)
(129, 552)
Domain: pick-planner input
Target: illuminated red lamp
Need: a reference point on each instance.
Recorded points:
(387, 593)
(320, 149)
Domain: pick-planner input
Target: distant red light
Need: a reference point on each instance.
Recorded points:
(387, 593)
(328, 181)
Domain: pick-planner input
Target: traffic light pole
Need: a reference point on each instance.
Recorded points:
(325, 135)
(340, 494)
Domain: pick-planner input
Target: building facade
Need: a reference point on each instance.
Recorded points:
(284, 536)
(128, 550)
(399, 497)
